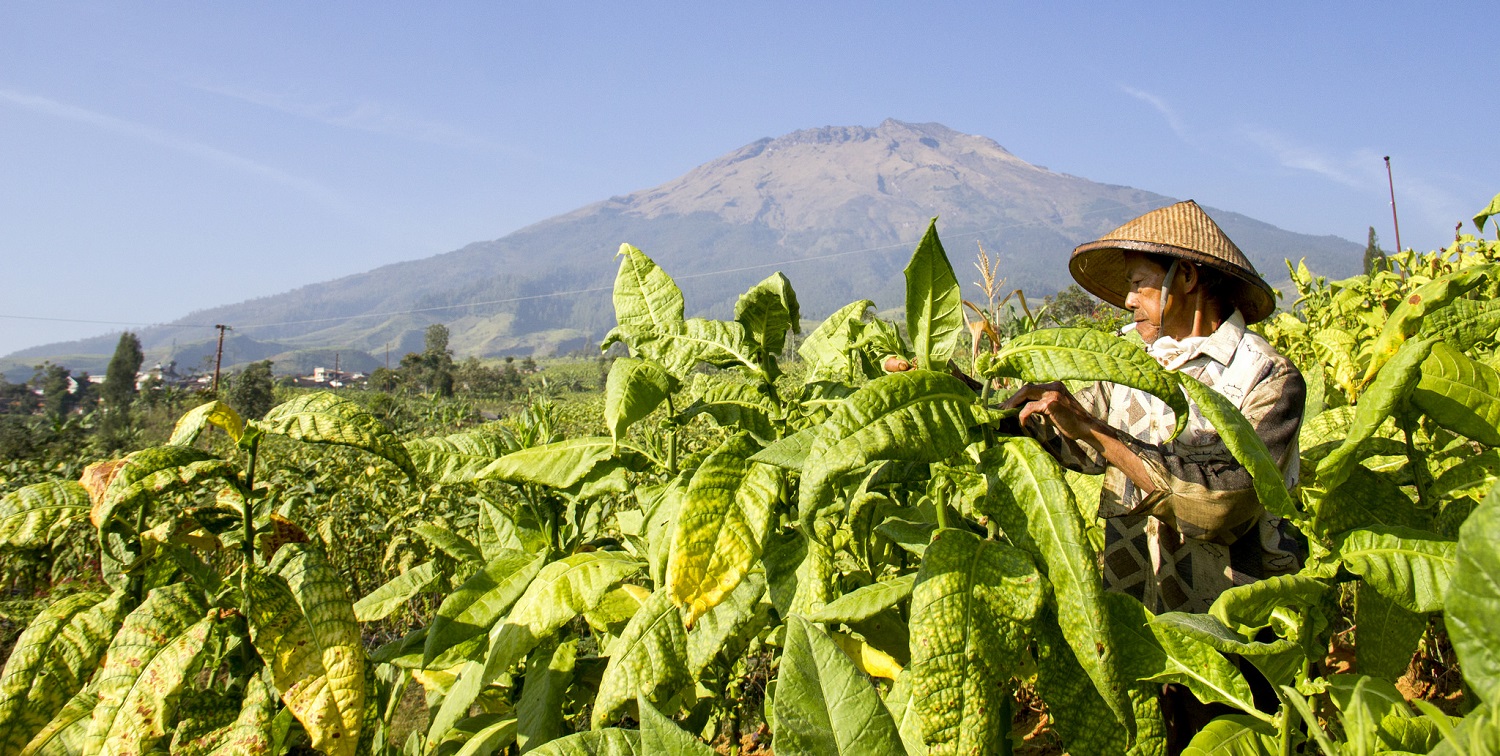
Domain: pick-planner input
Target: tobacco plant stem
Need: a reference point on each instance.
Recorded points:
(138, 580)
(247, 515)
(671, 437)
(1415, 458)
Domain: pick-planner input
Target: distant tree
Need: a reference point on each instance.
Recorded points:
(1071, 303)
(119, 378)
(253, 392)
(385, 379)
(438, 360)
(435, 343)
(52, 380)
(528, 365)
(1375, 258)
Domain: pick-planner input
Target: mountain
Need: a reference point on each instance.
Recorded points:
(837, 209)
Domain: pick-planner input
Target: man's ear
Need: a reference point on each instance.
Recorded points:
(1190, 278)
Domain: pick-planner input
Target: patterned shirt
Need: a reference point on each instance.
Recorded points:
(1202, 530)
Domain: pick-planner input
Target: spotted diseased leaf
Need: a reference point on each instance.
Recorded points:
(469, 612)
(120, 481)
(823, 704)
(145, 668)
(634, 389)
(610, 741)
(1473, 600)
(1406, 319)
(248, 735)
(722, 525)
(195, 420)
(539, 714)
(561, 464)
(1460, 394)
(302, 623)
(561, 591)
(1041, 517)
(934, 316)
(972, 609)
(648, 660)
(394, 594)
(1083, 354)
(66, 734)
(457, 457)
(326, 418)
(1409, 567)
(51, 661)
(35, 516)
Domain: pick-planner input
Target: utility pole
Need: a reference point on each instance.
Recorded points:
(387, 355)
(1392, 183)
(219, 356)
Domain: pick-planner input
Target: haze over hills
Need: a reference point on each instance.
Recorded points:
(837, 209)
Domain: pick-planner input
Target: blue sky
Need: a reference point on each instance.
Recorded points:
(160, 158)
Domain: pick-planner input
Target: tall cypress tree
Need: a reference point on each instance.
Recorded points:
(1374, 256)
(119, 378)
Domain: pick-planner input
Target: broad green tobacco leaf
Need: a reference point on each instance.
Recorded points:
(610, 741)
(1151, 729)
(561, 591)
(302, 623)
(609, 616)
(1472, 603)
(866, 602)
(1247, 608)
(1375, 406)
(109, 482)
(1407, 318)
(823, 704)
(457, 457)
(449, 542)
(326, 418)
(30, 517)
(725, 627)
(1235, 735)
(971, 612)
(826, 349)
(660, 735)
(1079, 716)
(934, 316)
(767, 310)
(469, 612)
(1483, 216)
(1083, 354)
(1364, 499)
(1464, 324)
(1245, 444)
(539, 713)
(497, 531)
(557, 465)
(192, 423)
(648, 660)
(1460, 394)
(1409, 567)
(51, 661)
(739, 406)
(919, 415)
(457, 700)
(647, 301)
(1386, 636)
(1157, 653)
(393, 595)
(491, 739)
(1280, 660)
(1042, 519)
(145, 668)
(789, 453)
(904, 714)
(1472, 477)
(634, 389)
(722, 525)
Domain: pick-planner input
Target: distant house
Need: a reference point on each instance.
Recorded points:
(323, 377)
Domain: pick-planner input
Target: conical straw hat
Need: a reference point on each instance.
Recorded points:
(1183, 231)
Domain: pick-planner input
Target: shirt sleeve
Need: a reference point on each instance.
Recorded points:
(1069, 453)
(1201, 490)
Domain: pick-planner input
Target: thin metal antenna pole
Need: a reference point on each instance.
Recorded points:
(1392, 184)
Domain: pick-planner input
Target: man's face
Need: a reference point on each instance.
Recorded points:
(1144, 298)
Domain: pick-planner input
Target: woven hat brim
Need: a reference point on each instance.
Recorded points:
(1099, 267)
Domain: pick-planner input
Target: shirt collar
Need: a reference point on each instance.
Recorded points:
(1219, 345)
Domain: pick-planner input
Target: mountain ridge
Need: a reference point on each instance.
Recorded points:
(839, 208)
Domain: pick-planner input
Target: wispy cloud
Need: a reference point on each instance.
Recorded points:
(61, 110)
(1167, 111)
(1355, 171)
(371, 117)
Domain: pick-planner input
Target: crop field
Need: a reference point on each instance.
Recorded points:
(758, 540)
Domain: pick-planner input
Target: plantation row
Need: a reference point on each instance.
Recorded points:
(838, 561)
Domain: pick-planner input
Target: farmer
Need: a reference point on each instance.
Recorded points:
(1182, 521)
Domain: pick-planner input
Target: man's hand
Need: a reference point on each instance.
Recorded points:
(1054, 402)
